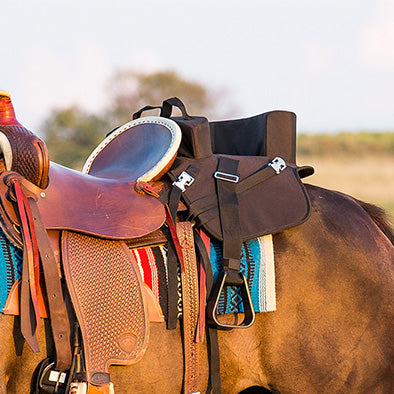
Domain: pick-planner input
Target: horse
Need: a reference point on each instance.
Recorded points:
(332, 330)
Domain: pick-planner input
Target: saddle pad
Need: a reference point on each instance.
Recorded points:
(142, 150)
(106, 290)
(256, 263)
(10, 267)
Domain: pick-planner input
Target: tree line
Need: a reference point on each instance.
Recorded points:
(72, 133)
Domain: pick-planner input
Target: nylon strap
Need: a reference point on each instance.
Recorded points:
(138, 114)
(171, 201)
(167, 105)
(175, 254)
(229, 214)
(214, 381)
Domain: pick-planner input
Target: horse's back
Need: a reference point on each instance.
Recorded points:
(332, 331)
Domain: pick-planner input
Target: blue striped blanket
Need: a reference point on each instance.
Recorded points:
(257, 264)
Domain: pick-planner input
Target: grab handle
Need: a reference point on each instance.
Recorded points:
(167, 105)
(138, 114)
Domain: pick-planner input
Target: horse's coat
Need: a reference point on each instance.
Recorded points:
(332, 331)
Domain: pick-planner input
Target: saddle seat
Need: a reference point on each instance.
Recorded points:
(107, 208)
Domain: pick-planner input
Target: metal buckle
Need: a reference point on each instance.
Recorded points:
(278, 164)
(184, 180)
(50, 377)
(224, 176)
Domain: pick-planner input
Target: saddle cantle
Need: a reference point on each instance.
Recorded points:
(141, 150)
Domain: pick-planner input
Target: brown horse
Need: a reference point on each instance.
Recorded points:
(332, 331)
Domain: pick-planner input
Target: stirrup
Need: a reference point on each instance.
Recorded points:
(224, 279)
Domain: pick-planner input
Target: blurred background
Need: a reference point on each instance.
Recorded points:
(77, 69)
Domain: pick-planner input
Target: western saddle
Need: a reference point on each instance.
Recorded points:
(212, 175)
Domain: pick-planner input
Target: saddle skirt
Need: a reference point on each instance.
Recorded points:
(278, 203)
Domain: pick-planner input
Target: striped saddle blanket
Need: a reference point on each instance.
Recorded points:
(257, 264)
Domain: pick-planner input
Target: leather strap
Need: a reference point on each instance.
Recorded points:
(34, 232)
(190, 313)
(29, 309)
(57, 307)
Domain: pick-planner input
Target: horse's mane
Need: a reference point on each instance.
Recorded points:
(380, 217)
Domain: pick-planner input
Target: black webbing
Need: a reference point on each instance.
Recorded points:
(138, 114)
(172, 285)
(173, 196)
(255, 179)
(214, 381)
(229, 214)
(167, 105)
(172, 264)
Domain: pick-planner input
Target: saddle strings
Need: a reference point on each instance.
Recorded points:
(30, 270)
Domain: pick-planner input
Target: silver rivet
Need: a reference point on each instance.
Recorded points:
(42, 194)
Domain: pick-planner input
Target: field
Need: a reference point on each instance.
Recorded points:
(359, 164)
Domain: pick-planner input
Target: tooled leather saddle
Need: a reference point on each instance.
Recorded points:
(238, 180)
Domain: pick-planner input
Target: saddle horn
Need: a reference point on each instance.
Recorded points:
(22, 150)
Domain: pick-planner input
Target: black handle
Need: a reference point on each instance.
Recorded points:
(138, 114)
(166, 109)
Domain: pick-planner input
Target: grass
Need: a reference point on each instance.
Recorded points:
(346, 144)
(360, 164)
(367, 177)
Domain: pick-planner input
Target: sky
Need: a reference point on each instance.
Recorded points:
(330, 62)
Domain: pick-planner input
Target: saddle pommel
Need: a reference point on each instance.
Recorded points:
(22, 150)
